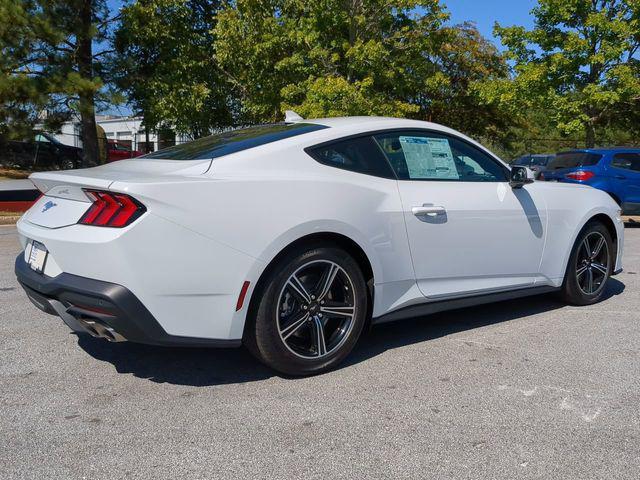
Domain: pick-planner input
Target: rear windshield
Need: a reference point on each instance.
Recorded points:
(522, 161)
(540, 161)
(533, 160)
(574, 159)
(232, 141)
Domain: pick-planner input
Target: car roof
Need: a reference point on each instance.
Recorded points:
(345, 126)
(371, 124)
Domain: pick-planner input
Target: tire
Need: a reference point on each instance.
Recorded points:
(64, 164)
(300, 326)
(68, 165)
(582, 268)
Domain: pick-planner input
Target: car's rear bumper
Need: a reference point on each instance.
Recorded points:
(187, 281)
(101, 309)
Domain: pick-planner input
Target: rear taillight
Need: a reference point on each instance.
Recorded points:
(580, 175)
(111, 209)
(541, 177)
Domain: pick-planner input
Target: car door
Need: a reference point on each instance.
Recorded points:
(469, 231)
(625, 172)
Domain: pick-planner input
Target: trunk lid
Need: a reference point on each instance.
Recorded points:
(123, 170)
(53, 212)
(64, 200)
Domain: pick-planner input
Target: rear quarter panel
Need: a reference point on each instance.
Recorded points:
(262, 209)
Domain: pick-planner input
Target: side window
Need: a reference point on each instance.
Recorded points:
(433, 156)
(627, 161)
(360, 155)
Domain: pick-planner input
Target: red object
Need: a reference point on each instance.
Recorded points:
(541, 177)
(18, 201)
(243, 293)
(18, 207)
(119, 151)
(129, 208)
(580, 175)
(108, 209)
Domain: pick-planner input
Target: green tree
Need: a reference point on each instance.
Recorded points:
(24, 93)
(579, 64)
(328, 57)
(49, 62)
(165, 65)
(378, 57)
(466, 62)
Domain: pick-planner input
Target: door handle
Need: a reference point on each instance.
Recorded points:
(428, 210)
(620, 177)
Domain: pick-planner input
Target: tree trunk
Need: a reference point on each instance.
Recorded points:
(147, 147)
(90, 153)
(590, 135)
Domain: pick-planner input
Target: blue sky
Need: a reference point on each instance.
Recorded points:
(486, 12)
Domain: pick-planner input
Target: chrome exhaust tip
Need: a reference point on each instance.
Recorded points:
(98, 330)
(80, 320)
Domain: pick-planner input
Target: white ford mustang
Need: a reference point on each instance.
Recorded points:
(290, 237)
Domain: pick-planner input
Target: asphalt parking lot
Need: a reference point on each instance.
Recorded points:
(522, 389)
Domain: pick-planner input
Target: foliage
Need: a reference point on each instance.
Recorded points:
(48, 63)
(165, 65)
(349, 56)
(379, 57)
(466, 62)
(199, 65)
(579, 64)
(22, 94)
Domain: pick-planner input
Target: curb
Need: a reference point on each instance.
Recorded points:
(18, 201)
(8, 221)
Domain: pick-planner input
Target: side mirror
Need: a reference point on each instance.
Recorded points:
(520, 176)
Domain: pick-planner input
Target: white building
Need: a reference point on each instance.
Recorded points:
(125, 130)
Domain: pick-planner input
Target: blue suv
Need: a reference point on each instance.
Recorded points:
(614, 170)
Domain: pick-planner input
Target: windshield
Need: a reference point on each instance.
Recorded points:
(574, 159)
(232, 141)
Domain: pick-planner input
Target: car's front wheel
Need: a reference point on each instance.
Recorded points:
(590, 266)
(311, 312)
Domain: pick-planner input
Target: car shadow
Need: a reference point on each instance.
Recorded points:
(199, 367)
(530, 210)
(420, 329)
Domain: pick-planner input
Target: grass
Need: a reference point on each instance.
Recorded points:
(9, 174)
(9, 218)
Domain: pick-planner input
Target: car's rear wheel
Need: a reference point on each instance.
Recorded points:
(590, 266)
(311, 312)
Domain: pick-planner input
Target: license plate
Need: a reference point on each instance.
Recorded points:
(37, 257)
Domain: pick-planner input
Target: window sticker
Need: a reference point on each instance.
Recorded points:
(429, 158)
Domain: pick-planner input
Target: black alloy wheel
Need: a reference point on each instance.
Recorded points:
(310, 311)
